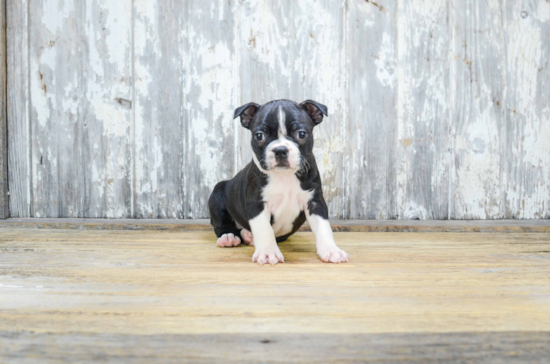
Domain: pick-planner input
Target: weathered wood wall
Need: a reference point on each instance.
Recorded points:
(438, 109)
(4, 201)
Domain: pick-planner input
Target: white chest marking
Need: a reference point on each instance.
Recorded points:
(284, 200)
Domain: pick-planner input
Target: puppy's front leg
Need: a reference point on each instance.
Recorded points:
(266, 250)
(327, 249)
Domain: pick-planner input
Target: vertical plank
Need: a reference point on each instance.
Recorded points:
(211, 90)
(423, 118)
(371, 132)
(295, 50)
(527, 154)
(478, 116)
(19, 167)
(79, 73)
(159, 35)
(4, 211)
(54, 79)
(106, 124)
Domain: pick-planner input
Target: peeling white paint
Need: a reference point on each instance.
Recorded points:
(528, 190)
(55, 14)
(384, 62)
(542, 13)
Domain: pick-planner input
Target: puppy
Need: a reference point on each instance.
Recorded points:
(279, 189)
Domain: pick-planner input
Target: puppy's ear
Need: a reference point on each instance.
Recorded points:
(246, 112)
(315, 110)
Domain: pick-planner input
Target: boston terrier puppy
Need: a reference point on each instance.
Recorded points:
(279, 189)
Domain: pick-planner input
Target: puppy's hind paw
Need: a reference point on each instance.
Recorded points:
(247, 237)
(228, 240)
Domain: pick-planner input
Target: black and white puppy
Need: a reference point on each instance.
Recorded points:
(274, 194)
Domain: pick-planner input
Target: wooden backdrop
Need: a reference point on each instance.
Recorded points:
(438, 109)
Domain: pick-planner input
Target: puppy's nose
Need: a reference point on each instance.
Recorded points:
(281, 152)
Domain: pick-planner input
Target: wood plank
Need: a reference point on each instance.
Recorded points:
(370, 154)
(80, 150)
(423, 110)
(4, 199)
(478, 125)
(431, 226)
(283, 48)
(474, 347)
(55, 77)
(211, 94)
(19, 146)
(159, 35)
(106, 126)
(149, 294)
(186, 92)
(433, 283)
(137, 296)
(527, 153)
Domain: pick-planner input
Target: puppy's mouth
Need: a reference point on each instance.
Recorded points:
(282, 165)
(279, 166)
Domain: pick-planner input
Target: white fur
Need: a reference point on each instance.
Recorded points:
(284, 199)
(327, 249)
(266, 249)
(282, 123)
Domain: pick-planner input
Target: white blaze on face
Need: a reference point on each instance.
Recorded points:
(283, 141)
(281, 116)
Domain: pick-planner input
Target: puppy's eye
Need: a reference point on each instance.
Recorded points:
(302, 134)
(259, 136)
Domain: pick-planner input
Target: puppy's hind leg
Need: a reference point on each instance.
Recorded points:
(224, 226)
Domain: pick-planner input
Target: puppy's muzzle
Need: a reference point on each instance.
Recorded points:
(281, 156)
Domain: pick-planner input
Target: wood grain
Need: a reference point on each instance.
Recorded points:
(19, 146)
(527, 144)
(159, 36)
(93, 285)
(478, 116)
(469, 347)
(427, 226)
(55, 79)
(106, 140)
(370, 154)
(211, 94)
(422, 157)
(80, 125)
(4, 199)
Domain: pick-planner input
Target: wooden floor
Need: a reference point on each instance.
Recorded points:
(137, 296)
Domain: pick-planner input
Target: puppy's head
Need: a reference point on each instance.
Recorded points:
(282, 132)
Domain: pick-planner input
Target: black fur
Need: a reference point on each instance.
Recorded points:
(239, 200)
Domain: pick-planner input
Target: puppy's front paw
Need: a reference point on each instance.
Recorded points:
(332, 254)
(228, 240)
(268, 255)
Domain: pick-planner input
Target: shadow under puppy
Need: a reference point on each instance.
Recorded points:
(279, 189)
